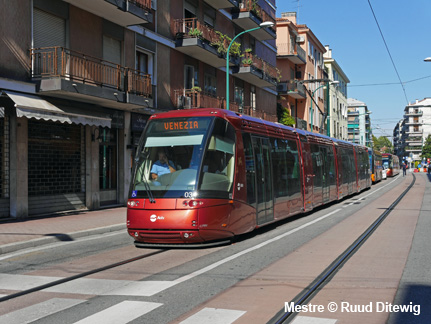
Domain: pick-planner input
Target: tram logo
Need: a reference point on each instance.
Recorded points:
(153, 218)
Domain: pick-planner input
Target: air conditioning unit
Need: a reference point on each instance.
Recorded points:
(282, 87)
(300, 39)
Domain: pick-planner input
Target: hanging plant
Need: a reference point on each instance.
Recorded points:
(194, 32)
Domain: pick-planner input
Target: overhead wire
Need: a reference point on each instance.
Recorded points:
(389, 52)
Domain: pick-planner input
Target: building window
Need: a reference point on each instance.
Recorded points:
(111, 50)
(210, 84)
(239, 95)
(190, 77)
(253, 97)
(4, 154)
(145, 63)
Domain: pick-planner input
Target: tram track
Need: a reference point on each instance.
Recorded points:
(78, 276)
(326, 276)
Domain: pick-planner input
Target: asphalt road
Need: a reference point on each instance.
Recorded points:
(168, 286)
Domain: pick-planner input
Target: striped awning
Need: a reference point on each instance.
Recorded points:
(31, 106)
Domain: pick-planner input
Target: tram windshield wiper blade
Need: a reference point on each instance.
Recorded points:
(149, 192)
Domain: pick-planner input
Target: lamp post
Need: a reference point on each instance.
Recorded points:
(328, 122)
(262, 25)
(311, 117)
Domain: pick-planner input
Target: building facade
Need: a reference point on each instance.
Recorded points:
(416, 128)
(398, 134)
(337, 117)
(359, 123)
(79, 79)
(300, 59)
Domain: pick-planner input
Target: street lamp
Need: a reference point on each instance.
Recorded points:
(312, 98)
(328, 122)
(262, 25)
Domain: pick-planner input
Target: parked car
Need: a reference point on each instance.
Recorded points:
(384, 174)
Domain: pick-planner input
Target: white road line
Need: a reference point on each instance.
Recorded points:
(38, 311)
(123, 312)
(256, 247)
(23, 282)
(313, 320)
(214, 316)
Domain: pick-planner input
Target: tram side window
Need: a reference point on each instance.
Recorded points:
(317, 165)
(219, 160)
(280, 166)
(294, 182)
(331, 167)
(249, 169)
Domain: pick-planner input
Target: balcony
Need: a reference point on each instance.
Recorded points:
(71, 75)
(413, 122)
(256, 71)
(413, 149)
(413, 114)
(202, 42)
(414, 139)
(121, 12)
(298, 56)
(221, 4)
(192, 99)
(251, 15)
(293, 89)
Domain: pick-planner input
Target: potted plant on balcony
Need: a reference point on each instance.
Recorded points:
(247, 61)
(195, 32)
(196, 89)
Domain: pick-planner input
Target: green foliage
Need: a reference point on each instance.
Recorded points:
(247, 61)
(383, 144)
(194, 32)
(426, 149)
(284, 116)
(197, 89)
(222, 45)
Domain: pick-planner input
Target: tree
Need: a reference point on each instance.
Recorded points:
(284, 116)
(426, 149)
(383, 144)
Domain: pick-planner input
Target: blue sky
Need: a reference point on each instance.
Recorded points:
(349, 28)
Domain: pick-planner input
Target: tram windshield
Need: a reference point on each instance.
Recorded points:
(387, 162)
(184, 158)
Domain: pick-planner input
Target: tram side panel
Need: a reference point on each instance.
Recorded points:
(308, 175)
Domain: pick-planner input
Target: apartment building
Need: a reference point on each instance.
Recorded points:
(397, 139)
(337, 117)
(359, 123)
(416, 128)
(300, 59)
(79, 79)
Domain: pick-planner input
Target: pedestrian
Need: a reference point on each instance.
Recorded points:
(404, 169)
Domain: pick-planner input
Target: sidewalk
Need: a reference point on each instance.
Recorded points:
(21, 234)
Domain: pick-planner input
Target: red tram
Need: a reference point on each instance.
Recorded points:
(203, 176)
(391, 163)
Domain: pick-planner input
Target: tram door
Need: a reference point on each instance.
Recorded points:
(265, 197)
(318, 169)
(325, 154)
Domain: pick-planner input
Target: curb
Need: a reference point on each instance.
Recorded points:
(13, 247)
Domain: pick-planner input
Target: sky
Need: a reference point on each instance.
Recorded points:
(349, 28)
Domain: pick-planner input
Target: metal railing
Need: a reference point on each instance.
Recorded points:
(193, 99)
(288, 49)
(193, 28)
(144, 4)
(62, 62)
(260, 64)
(252, 6)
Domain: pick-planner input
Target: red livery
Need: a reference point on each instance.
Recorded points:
(203, 176)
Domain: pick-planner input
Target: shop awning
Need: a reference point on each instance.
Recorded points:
(31, 106)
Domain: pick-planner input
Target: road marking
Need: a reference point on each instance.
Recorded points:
(256, 247)
(313, 320)
(38, 311)
(124, 287)
(23, 282)
(214, 316)
(123, 312)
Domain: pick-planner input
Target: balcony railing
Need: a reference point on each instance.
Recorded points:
(51, 62)
(193, 99)
(260, 64)
(252, 6)
(144, 4)
(414, 113)
(285, 49)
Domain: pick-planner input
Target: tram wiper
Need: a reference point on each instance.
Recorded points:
(144, 156)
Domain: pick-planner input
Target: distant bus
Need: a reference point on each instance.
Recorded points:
(375, 165)
(391, 163)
